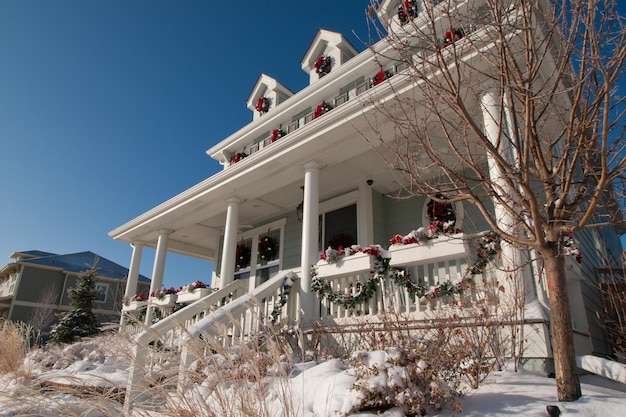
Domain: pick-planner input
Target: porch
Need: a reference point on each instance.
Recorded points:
(417, 280)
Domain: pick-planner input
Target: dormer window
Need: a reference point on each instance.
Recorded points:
(407, 11)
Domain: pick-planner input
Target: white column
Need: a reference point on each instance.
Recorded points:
(514, 261)
(365, 216)
(133, 272)
(229, 250)
(310, 236)
(157, 270)
(133, 277)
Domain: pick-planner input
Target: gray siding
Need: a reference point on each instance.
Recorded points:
(35, 282)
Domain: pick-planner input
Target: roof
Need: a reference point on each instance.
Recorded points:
(81, 262)
(31, 254)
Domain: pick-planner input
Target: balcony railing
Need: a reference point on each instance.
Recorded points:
(439, 262)
(357, 88)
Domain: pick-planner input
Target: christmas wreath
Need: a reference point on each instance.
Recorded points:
(407, 11)
(322, 65)
(263, 105)
(380, 76)
(442, 216)
(266, 248)
(571, 247)
(242, 256)
(322, 109)
(452, 36)
(277, 134)
(238, 157)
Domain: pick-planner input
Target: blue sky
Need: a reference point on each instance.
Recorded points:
(107, 107)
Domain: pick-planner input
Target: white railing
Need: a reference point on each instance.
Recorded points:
(226, 315)
(435, 262)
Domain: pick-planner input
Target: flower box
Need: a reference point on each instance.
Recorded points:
(357, 263)
(191, 296)
(440, 249)
(135, 305)
(167, 299)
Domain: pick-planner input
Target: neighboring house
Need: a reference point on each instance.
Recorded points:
(300, 178)
(34, 288)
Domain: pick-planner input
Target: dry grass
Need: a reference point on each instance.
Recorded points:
(14, 345)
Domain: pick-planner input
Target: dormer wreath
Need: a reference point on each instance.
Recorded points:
(407, 11)
(322, 65)
(322, 109)
(263, 105)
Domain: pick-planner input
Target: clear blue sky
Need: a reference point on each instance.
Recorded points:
(107, 107)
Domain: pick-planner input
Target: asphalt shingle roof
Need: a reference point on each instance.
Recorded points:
(81, 262)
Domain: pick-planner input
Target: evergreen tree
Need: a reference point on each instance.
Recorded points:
(81, 321)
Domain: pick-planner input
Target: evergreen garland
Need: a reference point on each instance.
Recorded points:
(359, 293)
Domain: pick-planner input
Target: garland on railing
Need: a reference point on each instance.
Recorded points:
(322, 109)
(238, 157)
(380, 76)
(277, 134)
(282, 297)
(359, 293)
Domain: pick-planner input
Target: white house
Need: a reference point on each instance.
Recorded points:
(300, 177)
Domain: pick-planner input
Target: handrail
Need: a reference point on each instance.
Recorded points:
(187, 313)
(245, 302)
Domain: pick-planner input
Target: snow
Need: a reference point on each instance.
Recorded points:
(316, 389)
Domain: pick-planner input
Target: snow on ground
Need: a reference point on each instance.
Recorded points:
(316, 389)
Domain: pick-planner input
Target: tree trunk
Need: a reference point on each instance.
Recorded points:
(567, 382)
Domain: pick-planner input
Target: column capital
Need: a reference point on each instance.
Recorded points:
(234, 200)
(312, 165)
(165, 231)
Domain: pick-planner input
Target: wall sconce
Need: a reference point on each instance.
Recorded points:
(300, 208)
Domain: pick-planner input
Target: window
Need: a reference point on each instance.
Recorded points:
(339, 227)
(103, 290)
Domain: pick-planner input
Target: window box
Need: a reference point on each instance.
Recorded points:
(435, 250)
(168, 299)
(186, 297)
(359, 263)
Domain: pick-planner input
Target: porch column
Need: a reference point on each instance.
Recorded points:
(310, 237)
(365, 216)
(157, 270)
(514, 261)
(133, 277)
(227, 270)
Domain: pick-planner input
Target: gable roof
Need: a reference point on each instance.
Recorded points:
(80, 262)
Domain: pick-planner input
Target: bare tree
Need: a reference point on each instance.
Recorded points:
(511, 106)
(42, 317)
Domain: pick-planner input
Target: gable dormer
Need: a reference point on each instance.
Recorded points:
(266, 94)
(329, 50)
